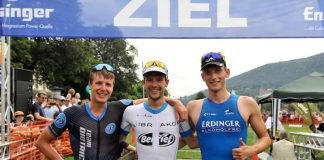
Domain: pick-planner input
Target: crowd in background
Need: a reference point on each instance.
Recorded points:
(47, 106)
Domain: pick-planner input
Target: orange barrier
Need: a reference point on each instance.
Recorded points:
(23, 138)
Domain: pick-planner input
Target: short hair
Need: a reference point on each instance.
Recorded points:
(311, 126)
(104, 73)
(71, 91)
(39, 93)
(283, 135)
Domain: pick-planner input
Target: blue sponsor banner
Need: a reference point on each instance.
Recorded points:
(163, 18)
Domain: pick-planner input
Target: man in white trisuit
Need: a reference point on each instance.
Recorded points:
(154, 121)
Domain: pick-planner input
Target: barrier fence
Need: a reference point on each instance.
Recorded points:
(23, 138)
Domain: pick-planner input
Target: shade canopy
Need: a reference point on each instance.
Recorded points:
(307, 88)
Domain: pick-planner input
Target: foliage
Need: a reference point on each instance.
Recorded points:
(119, 54)
(200, 95)
(21, 53)
(61, 62)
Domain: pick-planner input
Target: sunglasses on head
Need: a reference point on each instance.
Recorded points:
(155, 63)
(100, 67)
(213, 55)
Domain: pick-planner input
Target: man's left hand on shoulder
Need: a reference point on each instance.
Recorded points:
(180, 109)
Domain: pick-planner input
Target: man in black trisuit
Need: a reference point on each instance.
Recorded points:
(94, 127)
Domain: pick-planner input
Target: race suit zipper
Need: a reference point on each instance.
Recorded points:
(98, 141)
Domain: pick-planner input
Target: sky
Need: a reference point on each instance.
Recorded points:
(182, 56)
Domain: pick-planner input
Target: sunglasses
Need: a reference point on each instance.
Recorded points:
(213, 55)
(100, 67)
(19, 115)
(155, 63)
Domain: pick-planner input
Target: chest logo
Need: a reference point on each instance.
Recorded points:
(126, 102)
(228, 112)
(60, 120)
(165, 139)
(110, 128)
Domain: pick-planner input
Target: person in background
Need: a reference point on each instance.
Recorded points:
(60, 101)
(37, 109)
(67, 102)
(19, 119)
(76, 99)
(71, 91)
(320, 127)
(29, 118)
(283, 149)
(51, 108)
(313, 128)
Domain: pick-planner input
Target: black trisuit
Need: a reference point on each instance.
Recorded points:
(92, 137)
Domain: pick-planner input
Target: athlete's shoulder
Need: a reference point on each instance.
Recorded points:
(247, 100)
(135, 107)
(195, 103)
(120, 103)
(74, 109)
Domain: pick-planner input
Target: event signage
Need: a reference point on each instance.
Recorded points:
(162, 18)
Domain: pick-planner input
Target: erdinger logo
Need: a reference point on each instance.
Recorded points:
(26, 14)
(165, 139)
(60, 120)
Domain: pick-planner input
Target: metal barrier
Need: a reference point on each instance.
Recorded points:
(307, 144)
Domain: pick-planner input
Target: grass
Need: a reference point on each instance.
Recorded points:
(187, 153)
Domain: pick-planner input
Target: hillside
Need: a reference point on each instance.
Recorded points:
(271, 76)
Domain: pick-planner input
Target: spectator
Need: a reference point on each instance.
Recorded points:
(283, 149)
(320, 127)
(60, 101)
(71, 91)
(29, 118)
(76, 100)
(313, 128)
(67, 103)
(51, 108)
(37, 109)
(19, 118)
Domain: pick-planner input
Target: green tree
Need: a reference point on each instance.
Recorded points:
(63, 62)
(21, 53)
(121, 55)
(200, 95)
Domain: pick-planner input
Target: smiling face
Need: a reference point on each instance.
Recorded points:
(215, 77)
(101, 85)
(155, 84)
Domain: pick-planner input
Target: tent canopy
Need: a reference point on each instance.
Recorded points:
(307, 88)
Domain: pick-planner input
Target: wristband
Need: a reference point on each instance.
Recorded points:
(123, 144)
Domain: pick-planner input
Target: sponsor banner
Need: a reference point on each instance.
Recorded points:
(163, 18)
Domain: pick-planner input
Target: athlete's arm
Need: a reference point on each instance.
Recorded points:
(43, 143)
(125, 145)
(39, 117)
(191, 141)
(257, 124)
(139, 101)
(180, 110)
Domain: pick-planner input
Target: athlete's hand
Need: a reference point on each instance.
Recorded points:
(180, 110)
(243, 152)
